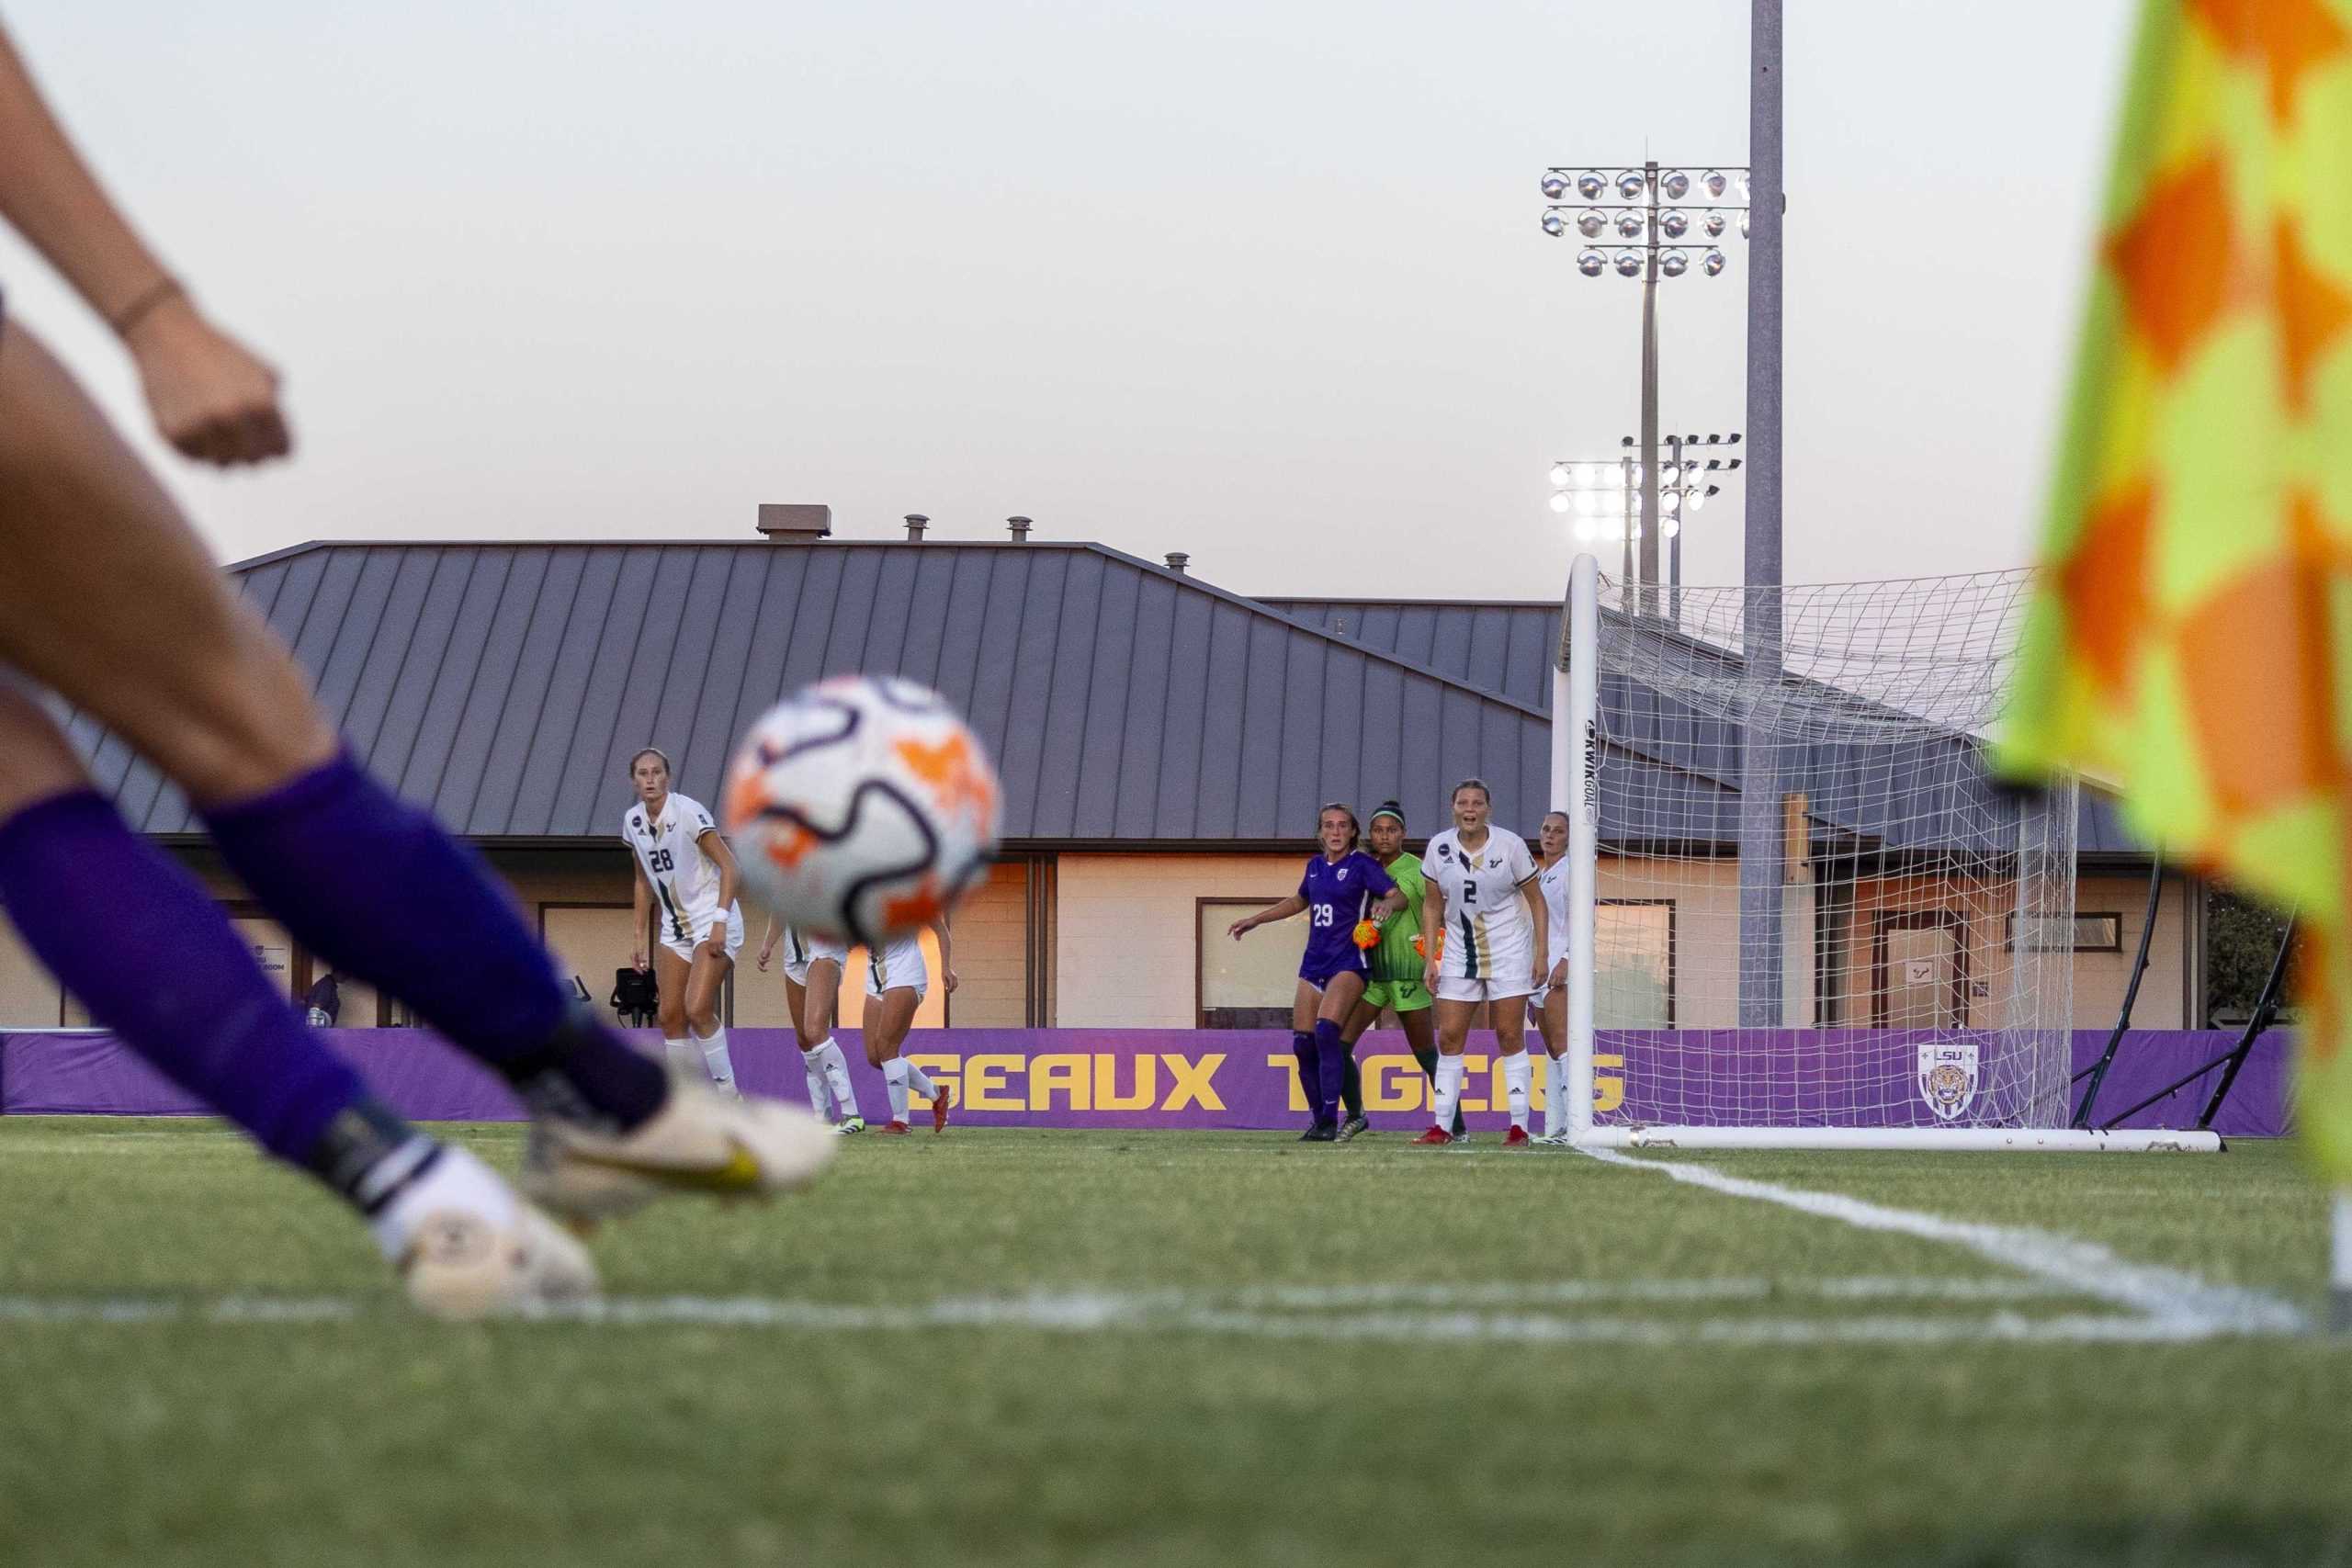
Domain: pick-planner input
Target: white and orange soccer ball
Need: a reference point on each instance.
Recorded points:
(862, 809)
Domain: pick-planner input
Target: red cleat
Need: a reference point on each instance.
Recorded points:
(939, 1110)
(1435, 1135)
(1516, 1138)
(895, 1130)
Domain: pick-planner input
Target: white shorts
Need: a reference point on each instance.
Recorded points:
(701, 928)
(1542, 993)
(896, 966)
(1458, 988)
(800, 952)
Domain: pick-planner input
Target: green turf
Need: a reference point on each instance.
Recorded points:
(1163, 1439)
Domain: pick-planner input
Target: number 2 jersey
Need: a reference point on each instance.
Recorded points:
(1488, 932)
(685, 880)
(1339, 895)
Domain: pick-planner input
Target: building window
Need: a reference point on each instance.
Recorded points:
(2068, 933)
(1633, 964)
(1247, 984)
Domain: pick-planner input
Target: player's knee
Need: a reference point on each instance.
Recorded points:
(242, 724)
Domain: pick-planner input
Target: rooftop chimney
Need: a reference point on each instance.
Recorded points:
(916, 523)
(1020, 529)
(795, 523)
(1178, 561)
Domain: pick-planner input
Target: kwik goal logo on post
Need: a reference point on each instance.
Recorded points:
(1948, 1076)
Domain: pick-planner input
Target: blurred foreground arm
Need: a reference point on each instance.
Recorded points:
(211, 398)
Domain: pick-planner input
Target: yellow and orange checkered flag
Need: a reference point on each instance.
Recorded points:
(2192, 638)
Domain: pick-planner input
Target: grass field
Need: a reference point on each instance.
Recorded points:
(1065, 1347)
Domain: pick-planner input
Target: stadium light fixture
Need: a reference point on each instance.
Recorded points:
(1651, 217)
(1687, 479)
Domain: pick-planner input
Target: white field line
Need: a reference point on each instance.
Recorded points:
(2171, 1297)
(1242, 1314)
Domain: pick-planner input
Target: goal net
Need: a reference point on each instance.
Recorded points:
(1814, 914)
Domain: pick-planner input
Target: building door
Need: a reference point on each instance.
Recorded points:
(1921, 979)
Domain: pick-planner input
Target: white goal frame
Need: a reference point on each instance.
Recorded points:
(1576, 790)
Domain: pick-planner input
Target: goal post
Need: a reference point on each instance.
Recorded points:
(1926, 910)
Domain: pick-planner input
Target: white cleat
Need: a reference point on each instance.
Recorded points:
(1552, 1140)
(700, 1142)
(462, 1263)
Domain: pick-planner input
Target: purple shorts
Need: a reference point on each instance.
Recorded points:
(1317, 968)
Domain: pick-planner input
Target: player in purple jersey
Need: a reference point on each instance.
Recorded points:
(1342, 889)
(110, 604)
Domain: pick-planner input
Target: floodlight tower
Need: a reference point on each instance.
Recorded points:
(1605, 498)
(1660, 215)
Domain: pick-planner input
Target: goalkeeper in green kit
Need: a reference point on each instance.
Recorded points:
(1395, 963)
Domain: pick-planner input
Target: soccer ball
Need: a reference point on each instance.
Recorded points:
(862, 809)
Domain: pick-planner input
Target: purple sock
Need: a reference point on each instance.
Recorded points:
(1310, 1071)
(147, 951)
(1332, 1063)
(378, 889)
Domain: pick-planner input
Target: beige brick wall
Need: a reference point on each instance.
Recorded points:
(1125, 948)
(991, 953)
(2100, 977)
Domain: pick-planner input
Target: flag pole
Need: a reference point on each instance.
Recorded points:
(2340, 1270)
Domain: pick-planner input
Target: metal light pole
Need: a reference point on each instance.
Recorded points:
(1762, 874)
(1655, 214)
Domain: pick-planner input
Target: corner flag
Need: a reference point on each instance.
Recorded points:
(2192, 638)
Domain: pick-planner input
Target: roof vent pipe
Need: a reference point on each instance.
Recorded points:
(1178, 561)
(1020, 526)
(916, 523)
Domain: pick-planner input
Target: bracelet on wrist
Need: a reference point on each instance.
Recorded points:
(126, 320)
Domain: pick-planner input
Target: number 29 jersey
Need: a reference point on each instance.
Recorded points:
(1488, 932)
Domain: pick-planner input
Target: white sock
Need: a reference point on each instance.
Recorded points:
(1450, 1073)
(1518, 1083)
(894, 1074)
(1556, 1104)
(836, 1066)
(715, 1059)
(456, 1180)
(920, 1081)
(685, 1061)
(819, 1101)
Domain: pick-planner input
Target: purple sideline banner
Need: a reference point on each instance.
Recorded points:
(1234, 1078)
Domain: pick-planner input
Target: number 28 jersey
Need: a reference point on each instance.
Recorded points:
(684, 879)
(1488, 931)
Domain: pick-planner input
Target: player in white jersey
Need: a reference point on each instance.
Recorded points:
(685, 886)
(896, 981)
(1482, 895)
(812, 986)
(1549, 1006)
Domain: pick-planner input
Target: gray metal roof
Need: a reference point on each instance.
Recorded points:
(504, 686)
(1505, 647)
(1687, 763)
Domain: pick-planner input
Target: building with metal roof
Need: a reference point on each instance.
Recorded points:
(1164, 743)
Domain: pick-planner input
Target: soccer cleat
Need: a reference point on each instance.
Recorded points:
(461, 1263)
(1353, 1125)
(1516, 1138)
(1322, 1132)
(1435, 1136)
(896, 1129)
(1552, 1141)
(850, 1125)
(939, 1109)
(699, 1142)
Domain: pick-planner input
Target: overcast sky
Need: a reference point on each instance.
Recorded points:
(1261, 281)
